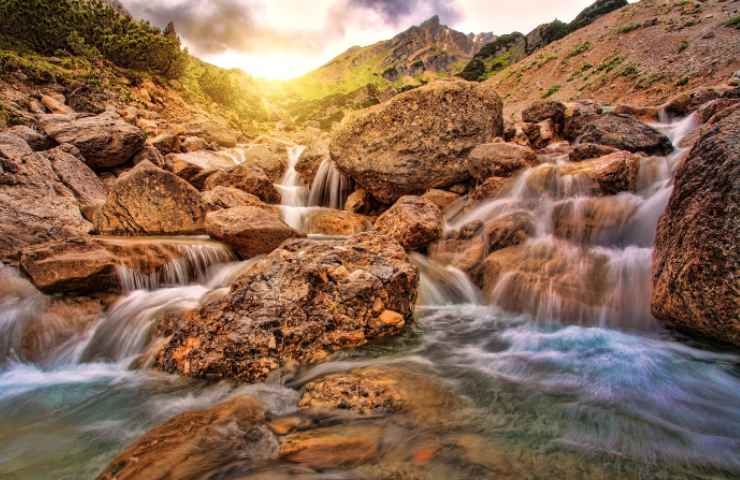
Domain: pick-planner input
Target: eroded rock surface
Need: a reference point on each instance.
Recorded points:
(696, 266)
(246, 177)
(417, 140)
(414, 222)
(619, 131)
(300, 303)
(499, 160)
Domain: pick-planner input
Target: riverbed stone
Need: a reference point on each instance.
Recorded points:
(623, 132)
(246, 177)
(297, 305)
(696, 266)
(413, 221)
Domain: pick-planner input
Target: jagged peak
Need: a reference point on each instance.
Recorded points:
(432, 22)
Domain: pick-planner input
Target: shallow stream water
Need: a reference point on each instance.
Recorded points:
(602, 396)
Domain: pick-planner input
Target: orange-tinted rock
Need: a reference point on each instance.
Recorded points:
(413, 221)
(499, 160)
(333, 447)
(441, 198)
(221, 198)
(250, 231)
(149, 200)
(303, 301)
(199, 444)
(248, 178)
(619, 131)
(328, 221)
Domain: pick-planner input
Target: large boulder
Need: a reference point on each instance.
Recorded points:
(36, 205)
(195, 167)
(545, 110)
(417, 140)
(77, 176)
(250, 231)
(619, 131)
(105, 140)
(246, 177)
(148, 200)
(696, 265)
(221, 198)
(198, 443)
(414, 222)
(300, 303)
(499, 160)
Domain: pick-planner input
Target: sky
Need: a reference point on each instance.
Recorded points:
(281, 39)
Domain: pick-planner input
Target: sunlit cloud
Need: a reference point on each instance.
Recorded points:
(287, 38)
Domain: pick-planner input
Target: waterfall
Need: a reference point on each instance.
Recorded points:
(330, 187)
(443, 285)
(292, 191)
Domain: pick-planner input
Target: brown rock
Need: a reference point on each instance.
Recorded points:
(441, 198)
(541, 134)
(149, 200)
(248, 178)
(196, 167)
(545, 110)
(105, 140)
(609, 174)
(298, 304)
(359, 201)
(36, 206)
(333, 447)
(418, 139)
(587, 151)
(316, 152)
(198, 444)
(413, 221)
(499, 160)
(36, 140)
(251, 231)
(587, 219)
(55, 105)
(149, 154)
(221, 198)
(166, 143)
(619, 131)
(685, 103)
(696, 264)
(328, 221)
(77, 176)
(492, 187)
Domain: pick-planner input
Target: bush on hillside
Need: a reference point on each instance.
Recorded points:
(88, 27)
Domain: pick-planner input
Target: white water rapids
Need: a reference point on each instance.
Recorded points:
(610, 382)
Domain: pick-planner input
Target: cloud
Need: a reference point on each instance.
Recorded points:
(396, 11)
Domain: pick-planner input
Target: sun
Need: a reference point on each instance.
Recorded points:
(268, 66)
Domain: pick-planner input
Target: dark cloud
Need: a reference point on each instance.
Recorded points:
(396, 11)
(214, 26)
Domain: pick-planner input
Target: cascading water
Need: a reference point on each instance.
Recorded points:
(609, 395)
(330, 187)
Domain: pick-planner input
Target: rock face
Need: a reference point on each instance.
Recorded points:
(36, 205)
(251, 231)
(619, 131)
(248, 178)
(499, 160)
(194, 444)
(696, 265)
(337, 222)
(414, 222)
(221, 198)
(105, 140)
(150, 201)
(417, 140)
(544, 110)
(78, 177)
(302, 302)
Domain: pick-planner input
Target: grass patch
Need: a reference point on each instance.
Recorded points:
(609, 63)
(734, 22)
(630, 27)
(580, 48)
(683, 82)
(683, 46)
(630, 71)
(551, 91)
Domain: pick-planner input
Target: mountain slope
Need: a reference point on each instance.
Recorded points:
(640, 54)
(421, 52)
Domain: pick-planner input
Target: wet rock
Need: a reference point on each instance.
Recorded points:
(340, 446)
(270, 157)
(588, 219)
(192, 144)
(36, 140)
(297, 305)
(541, 134)
(328, 221)
(36, 206)
(587, 151)
(200, 444)
(545, 110)
(696, 265)
(149, 200)
(166, 143)
(619, 131)
(316, 152)
(104, 140)
(75, 265)
(492, 187)
(196, 167)
(248, 178)
(609, 174)
(499, 160)
(360, 201)
(441, 198)
(221, 198)
(710, 109)
(417, 140)
(685, 103)
(648, 114)
(250, 231)
(413, 221)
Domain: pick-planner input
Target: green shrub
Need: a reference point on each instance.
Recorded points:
(683, 82)
(734, 22)
(683, 46)
(630, 71)
(629, 27)
(83, 27)
(551, 91)
(580, 48)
